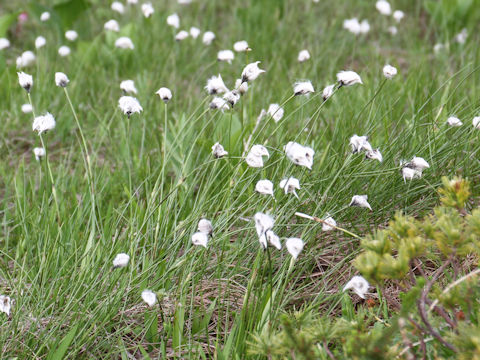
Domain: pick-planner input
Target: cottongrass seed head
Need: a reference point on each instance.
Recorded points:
(251, 72)
(128, 87)
(149, 297)
(294, 246)
(360, 201)
(200, 239)
(44, 123)
(389, 71)
(165, 94)
(264, 187)
(39, 152)
(215, 85)
(25, 80)
(303, 88)
(129, 105)
(299, 154)
(348, 78)
(358, 284)
(61, 79)
(290, 185)
(121, 260)
(218, 151)
(5, 304)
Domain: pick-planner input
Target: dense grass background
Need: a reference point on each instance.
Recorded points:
(58, 269)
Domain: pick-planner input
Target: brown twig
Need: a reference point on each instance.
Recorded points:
(327, 350)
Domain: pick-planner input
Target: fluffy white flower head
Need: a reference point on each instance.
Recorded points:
(64, 51)
(38, 152)
(218, 151)
(476, 122)
(149, 297)
(251, 72)
(264, 187)
(276, 112)
(328, 91)
(124, 42)
(128, 86)
(40, 42)
(294, 246)
(25, 80)
(200, 239)
(290, 186)
(225, 55)
(384, 7)
(454, 121)
(173, 20)
(303, 88)
(360, 143)
(231, 97)
(215, 85)
(255, 156)
(61, 79)
(303, 56)
(418, 163)
(241, 87)
(348, 78)
(360, 201)
(389, 71)
(299, 154)
(71, 35)
(117, 7)
(4, 43)
(121, 260)
(241, 46)
(165, 94)
(410, 174)
(129, 105)
(194, 32)
(112, 25)
(208, 37)
(147, 10)
(219, 103)
(182, 35)
(374, 155)
(359, 285)
(44, 123)
(26, 59)
(27, 108)
(329, 224)
(45, 16)
(205, 226)
(398, 15)
(5, 304)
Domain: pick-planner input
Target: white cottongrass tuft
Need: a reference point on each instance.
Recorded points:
(328, 91)
(454, 121)
(71, 35)
(165, 94)
(241, 46)
(231, 97)
(128, 86)
(218, 151)
(5, 304)
(251, 72)
(26, 59)
(44, 123)
(255, 156)
(356, 27)
(25, 80)
(476, 122)
(294, 246)
(410, 174)
(303, 56)
(200, 239)
(461, 37)
(264, 187)
(263, 224)
(205, 226)
(147, 9)
(40, 42)
(225, 55)
(392, 30)
(358, 284)
(276, 112)
(299, 154)
(360, 143)
(124, 42)
(182, 35)
(173, 20)
(219, 103)
(61, 79)
(215, 85)
(303, 88)
(39, 152)
(374, 155)
(194, 32)
(208, 37)
(64, 51)
(117, 7)
(27, 108)
(418, 163)
(389, 71)
(149, 297)
(360, 201)
(348, 78)
(329, 223)
(112, 25)
(384, 7)
(45, 16)
(241, 87)
(129, 105)
(4, 43)
(121, 260)
(398, 15)
(290, 185)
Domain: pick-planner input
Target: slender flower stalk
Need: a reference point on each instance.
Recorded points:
(49, 169)
(314, 218)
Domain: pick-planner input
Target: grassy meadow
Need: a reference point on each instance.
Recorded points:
(139, 185)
